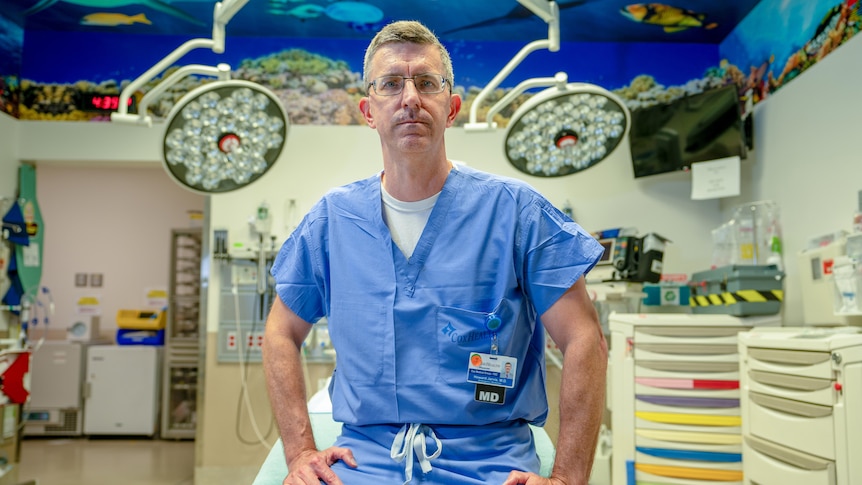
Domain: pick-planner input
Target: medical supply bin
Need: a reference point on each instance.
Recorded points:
(141, 319)
(739, 290)
(128, 336)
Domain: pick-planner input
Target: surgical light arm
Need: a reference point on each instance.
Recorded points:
(550, 13)
(222, 13)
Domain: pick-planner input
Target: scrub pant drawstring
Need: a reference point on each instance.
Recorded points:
(410, 439)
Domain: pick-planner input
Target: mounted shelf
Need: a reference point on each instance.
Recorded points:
(182, 344)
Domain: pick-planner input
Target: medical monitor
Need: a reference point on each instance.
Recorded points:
(696, 128)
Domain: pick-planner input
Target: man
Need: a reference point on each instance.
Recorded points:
(432, 262)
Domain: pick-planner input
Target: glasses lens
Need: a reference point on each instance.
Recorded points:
(425, 84)
(388, 85)
(428, 83)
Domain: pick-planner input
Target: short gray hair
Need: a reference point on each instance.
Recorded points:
(402, 32)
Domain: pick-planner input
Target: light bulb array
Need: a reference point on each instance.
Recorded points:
(563, 131)
(226, 136)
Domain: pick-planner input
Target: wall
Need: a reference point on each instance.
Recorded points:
(112, 220)
(808, 159)
(8, 155)
(8, 183)
(89, 142)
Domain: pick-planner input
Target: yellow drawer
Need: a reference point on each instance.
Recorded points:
(689, 419)
(734, 441)
(690, 473)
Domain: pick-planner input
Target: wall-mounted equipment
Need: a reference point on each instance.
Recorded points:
(563, 129)
(695, 128)
(85, 328)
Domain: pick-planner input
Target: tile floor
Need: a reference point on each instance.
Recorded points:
(106, 461)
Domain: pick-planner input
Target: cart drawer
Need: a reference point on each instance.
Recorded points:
(814, 435)
(766, 463)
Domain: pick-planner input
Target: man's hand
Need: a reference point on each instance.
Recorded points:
(524, 478)
(311, 466)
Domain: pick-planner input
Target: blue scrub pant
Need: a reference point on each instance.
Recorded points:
(471, 455)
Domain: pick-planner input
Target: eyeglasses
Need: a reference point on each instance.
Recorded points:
(425, 84)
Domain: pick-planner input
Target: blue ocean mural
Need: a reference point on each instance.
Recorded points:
(687, 21)
(11, 46)
(79, 54)
(782, 38)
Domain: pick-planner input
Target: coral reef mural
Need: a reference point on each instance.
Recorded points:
(319, 80)
(780, 39)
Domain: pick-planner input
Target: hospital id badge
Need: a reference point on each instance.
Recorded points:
(495, 370)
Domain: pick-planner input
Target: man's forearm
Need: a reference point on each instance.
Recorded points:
(286, 386)
(582, 402)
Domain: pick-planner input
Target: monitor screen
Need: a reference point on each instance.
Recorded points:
(695, 128)
(608, 245)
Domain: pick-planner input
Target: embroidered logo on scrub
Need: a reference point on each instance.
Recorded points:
(458, 338)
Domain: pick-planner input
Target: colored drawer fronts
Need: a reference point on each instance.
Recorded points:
(675, 386)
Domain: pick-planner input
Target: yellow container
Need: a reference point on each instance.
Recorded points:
(141, 319)
(690, 473)
(692, 419)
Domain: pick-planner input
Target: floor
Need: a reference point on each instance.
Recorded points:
(106, 461)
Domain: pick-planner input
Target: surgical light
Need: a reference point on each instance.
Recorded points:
(223, 135)
(220, 136)
(561, 130)
(565, 129)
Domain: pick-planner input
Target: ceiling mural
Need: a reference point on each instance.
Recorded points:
(79, 54)
(701, 21)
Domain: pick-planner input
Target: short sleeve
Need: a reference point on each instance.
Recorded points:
(557, 253)
(296, 275)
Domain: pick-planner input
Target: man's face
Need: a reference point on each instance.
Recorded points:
(508, 367)
(409, 121)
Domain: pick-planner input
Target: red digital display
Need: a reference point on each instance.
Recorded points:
(107, 102)
(102, 102)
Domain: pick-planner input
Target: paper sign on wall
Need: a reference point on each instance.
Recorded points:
(715, 179)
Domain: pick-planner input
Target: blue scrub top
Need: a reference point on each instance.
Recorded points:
(404, 330)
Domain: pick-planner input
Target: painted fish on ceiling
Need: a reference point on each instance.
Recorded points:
(673, 19)
(108, 19)
(359, 16)
(157, 5)
(302, 12)
(516, 15)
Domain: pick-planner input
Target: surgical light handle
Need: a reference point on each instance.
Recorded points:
(550, 13)
(222, 13)
(560, 79)
(222, 72)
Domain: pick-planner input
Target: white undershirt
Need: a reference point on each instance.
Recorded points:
(406, 220)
